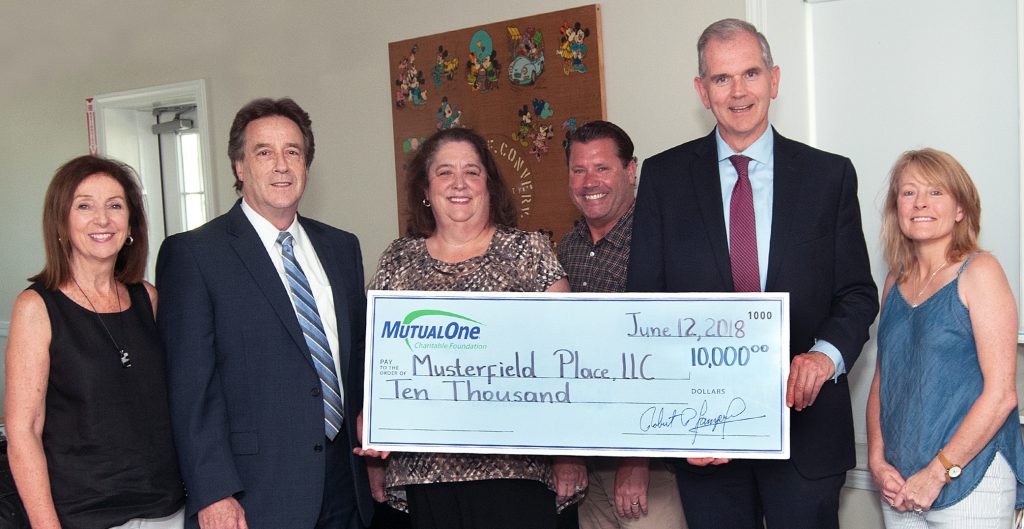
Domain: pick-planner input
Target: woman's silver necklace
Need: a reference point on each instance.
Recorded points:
(126, 361)
(917, 298)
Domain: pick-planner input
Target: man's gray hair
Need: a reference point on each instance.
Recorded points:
(727, 29)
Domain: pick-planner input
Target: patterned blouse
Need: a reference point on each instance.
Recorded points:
(515, 261)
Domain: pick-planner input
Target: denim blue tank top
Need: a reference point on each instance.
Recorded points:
(930, 378)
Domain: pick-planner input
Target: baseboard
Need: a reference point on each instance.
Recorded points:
(860, 478)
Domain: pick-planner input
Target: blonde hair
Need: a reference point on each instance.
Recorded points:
(942, 170)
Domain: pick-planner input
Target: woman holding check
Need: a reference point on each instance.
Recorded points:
(462, 236)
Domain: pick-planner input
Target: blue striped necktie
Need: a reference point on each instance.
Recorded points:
(313, 330)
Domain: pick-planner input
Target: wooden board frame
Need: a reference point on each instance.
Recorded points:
(523, 84)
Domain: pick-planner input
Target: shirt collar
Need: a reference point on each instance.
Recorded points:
(619, 236)
(268, 232)
(622, 232)
(759, 151)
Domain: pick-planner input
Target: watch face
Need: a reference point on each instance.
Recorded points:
(954, 471)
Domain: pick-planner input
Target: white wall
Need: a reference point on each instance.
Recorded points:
(330, 56)
(928, 73)
(886, 77)
(931, 73)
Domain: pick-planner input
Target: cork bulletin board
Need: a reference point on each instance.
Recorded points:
(523, 84)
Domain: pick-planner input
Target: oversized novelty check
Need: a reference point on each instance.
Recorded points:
(657, 375)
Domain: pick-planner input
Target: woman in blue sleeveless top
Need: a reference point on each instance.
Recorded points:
(944, 438)
(87, 417)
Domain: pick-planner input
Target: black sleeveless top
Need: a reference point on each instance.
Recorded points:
(107, 434)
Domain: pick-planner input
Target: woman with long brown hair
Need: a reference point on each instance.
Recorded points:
(86, 401)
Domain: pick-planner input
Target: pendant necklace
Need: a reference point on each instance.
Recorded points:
(126, 361)
(917, 298)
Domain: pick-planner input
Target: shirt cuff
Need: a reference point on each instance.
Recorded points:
(830, 351)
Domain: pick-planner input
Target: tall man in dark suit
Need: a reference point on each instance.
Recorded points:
(262, 318)
(781, 217)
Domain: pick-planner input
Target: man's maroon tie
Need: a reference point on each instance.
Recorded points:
(742, 231)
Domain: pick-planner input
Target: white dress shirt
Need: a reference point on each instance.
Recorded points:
(305, 254)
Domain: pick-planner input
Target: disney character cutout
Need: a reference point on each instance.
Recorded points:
(483, 66)
(447, 116)
(525, 126)
(409, 82)
(539, 140)
(444, 67)
(572, 47)
(527, 61)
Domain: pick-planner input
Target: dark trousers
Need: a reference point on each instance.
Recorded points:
(748, 494)
(339, 509)
(486, 504)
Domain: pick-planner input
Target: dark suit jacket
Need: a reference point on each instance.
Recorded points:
(817, 254)
(245, 399)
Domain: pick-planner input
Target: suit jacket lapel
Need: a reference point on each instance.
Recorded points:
(708, 189)
(786, 191)
(253, 254)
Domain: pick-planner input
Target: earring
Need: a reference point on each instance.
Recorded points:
(426, 203)
(129, 241)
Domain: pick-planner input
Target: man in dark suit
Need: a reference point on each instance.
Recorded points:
(262, 318)
(745, 209)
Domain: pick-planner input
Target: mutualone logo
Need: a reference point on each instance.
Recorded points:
(438, 325)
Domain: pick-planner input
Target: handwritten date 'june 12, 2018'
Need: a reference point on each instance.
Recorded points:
(696, 328)
(718, 328)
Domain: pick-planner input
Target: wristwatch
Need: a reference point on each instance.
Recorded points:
(952, 471)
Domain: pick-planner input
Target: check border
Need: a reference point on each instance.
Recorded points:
(376, 432)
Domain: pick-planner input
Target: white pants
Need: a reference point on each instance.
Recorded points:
(989, 506)
(174, 521)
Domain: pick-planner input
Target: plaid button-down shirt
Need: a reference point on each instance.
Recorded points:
(597, 267)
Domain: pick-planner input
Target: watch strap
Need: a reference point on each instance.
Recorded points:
(947, 464)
